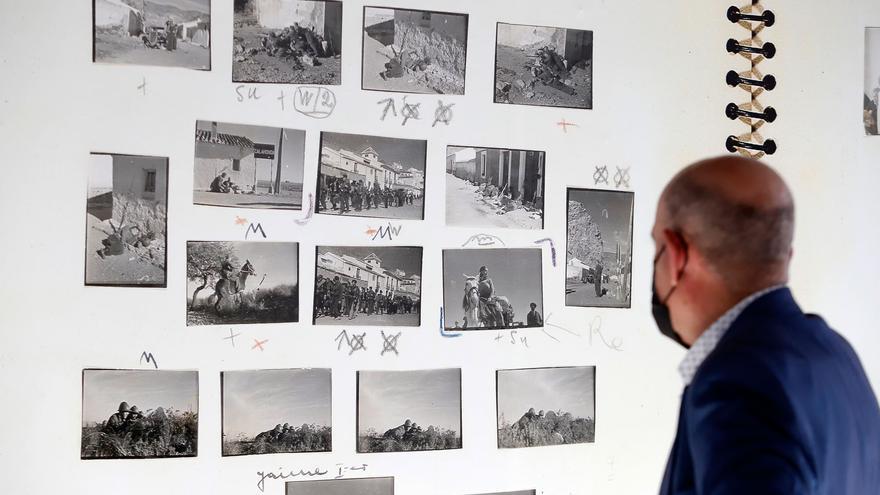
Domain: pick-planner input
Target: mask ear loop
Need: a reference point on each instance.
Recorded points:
(680, 273)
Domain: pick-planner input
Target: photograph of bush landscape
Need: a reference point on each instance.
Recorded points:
(275, 411)
(139, 413)
(546, 406)
(409, 410)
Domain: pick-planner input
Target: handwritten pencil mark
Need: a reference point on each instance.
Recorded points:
(390, 344)
(443, 113)
(149, 358)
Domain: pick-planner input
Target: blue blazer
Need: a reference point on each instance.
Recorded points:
(781, 406)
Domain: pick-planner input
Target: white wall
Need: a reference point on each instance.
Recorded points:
(659, 96)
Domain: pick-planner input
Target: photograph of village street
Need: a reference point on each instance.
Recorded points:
(169, 33)
(414, 51)
(248, 166)
(368, 286)
(544, 66)
(598, 261)
(494, 187)
(371, 176)
(287, 41)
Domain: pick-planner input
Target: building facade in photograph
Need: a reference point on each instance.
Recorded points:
(218, 152)
(574, 45)
(140, 178)
(116, 14)
(435, 36)
(367, 167)
(324, 17)
(368, 272)
(520, 171)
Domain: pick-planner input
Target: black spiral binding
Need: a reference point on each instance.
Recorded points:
(755, 18)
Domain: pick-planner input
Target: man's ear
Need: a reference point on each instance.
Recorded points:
(676, 257)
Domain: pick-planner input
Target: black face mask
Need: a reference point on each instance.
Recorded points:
(659, 308)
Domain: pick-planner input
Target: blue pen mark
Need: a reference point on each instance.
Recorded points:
(552, 248)
(443, 331)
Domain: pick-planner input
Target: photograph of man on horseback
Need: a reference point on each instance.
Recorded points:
(222, 292)
(488, 301)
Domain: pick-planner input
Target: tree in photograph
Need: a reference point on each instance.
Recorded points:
(584, 238)
(203, 261)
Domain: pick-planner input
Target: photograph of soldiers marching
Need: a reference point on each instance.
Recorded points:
(494, 187)
(368, 286)
(371, 176)
(598, 262)
(492, 288)
(139, 414)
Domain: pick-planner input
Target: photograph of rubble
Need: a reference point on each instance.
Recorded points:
(126, 219)
(543, 66)
(371, 176)
(368, 286)
(546, 406)
(287, 41)
(598, 256)
(168, 33)
(276, 411)
(408, 410)
(494, 187)
(349, 486)
(414, 51)
(138, 414)
(248, 166)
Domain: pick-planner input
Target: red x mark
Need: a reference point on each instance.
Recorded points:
(240, 221)
(259, 343)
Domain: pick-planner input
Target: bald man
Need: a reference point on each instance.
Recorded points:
(775, 401)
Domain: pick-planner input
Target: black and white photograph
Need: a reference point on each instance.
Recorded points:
(136, 414)
(486, 289)
(399, 411)
(518, 492)
(126, 220)
(287, 41)
(167, 33)
(248, 166)
(598, 254)
(544, 66)
(494, 187)
(414, 51)
(348, 486)
(276, 411)
(546, 406)
(371, 176)
(241, 282)
(368, 286)
(872, 81)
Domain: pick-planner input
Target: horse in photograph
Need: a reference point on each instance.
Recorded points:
(495, 311)
(228, 288)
